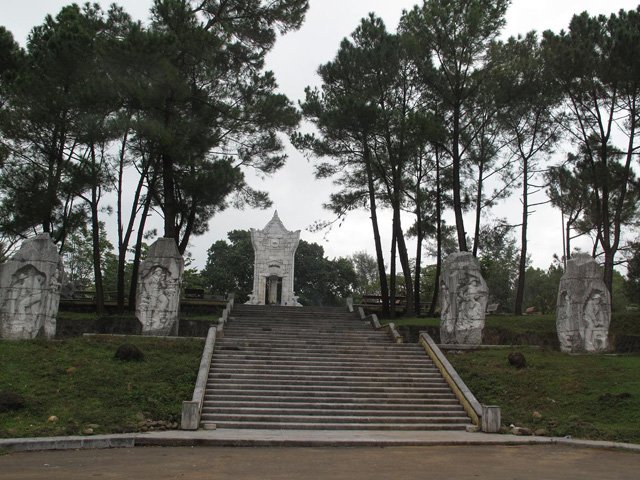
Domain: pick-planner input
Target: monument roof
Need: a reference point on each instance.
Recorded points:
(275, 225)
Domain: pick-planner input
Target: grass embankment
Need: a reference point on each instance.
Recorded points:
(624, 323)
(586, 396)
(81, 383)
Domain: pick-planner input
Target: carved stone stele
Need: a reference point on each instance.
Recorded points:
(275, 248)
(463, 300)
(584, 308)
(159, 284)
(30, 290)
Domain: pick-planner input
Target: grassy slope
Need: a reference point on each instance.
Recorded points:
(576, 394)
(626, 323)
(80, 382)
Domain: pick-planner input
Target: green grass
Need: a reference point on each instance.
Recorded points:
(201, 318)
(419, 322)
(80, 382)
(576, 394)
(625, 323)
(77, 316)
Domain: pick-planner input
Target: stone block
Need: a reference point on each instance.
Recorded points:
(583, 313)
(190, 416)
(159, 286)
(30, 284)
(463, 300)
(491, 419)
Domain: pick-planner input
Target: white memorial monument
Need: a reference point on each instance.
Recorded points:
(584, 308)
(275, 249)
(463, 300)
(159, 284)
(30, 284)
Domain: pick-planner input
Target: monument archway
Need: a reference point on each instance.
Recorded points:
(273, 290)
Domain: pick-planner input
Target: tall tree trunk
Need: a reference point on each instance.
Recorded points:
(382, 274)
(138, 252)
(416, 277)
(123, 238)
(392, 275)
(476, 235)
(457, 184)
(169, 198)
(184, 242)
(406, 267)
(608, 271)
(523, 248)
(436, 286)
(95, 233)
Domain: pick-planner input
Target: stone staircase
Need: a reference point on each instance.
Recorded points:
(322, 369)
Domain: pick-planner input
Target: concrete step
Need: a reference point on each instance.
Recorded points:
(337, 426)
(363, 419)
(311, 339)
(327, 377)
(288, 311)
(348, 355)
(324, 389)
(332, 411)
(303, 403)
(274, 327)
(328, 396)
(294, 333)
(308, 346)
(320, 358)
(222, 365)
(308, 318)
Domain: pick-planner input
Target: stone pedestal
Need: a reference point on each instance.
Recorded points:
(463, 300)
(275, 248)
(30, 286)
(584, 308)
(159, 284)
(491, 419)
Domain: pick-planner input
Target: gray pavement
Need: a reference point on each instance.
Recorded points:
(496, 462)
(296, 438)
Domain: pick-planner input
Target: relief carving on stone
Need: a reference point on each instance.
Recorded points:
(30, 290)
(159, 285)
(584, 308)
(463, 300)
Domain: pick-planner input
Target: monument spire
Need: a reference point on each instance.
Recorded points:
(275, 249)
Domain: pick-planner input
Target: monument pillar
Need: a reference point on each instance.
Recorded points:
(30, 284)
(159, 285)
(463, 300)
(584, 308)
(275, 248)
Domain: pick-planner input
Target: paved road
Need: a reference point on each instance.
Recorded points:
(537, 462)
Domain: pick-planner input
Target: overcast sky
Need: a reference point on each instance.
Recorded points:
(297, 196)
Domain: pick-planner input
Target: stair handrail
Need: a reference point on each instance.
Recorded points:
(192, 410)
(224, 318)
(375, 323)
(485, 417)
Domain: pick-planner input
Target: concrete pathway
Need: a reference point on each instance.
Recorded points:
(496, 462)
(296, 438)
